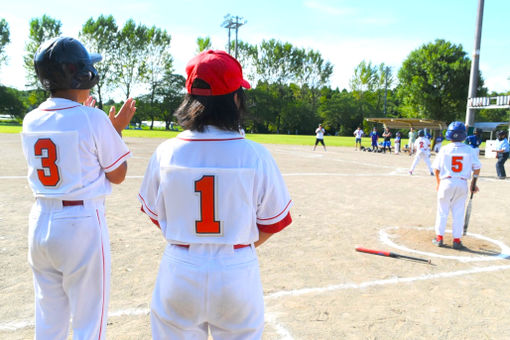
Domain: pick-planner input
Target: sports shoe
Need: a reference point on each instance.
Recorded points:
(437, 243)
(457, 245)
(431, 174)
(410, 172)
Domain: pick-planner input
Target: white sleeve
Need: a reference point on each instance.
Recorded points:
(476, 161)
(111, 149)
(148, 193)
(273, 199)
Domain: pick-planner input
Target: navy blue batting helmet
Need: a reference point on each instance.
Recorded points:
(63, 63)
(456, 132)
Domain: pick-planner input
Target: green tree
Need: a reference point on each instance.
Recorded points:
(100, 36)
(4, 40)
(203, 44)
(159, 64)
(41, 30)
(172, 93)
(338, 110)
(10, 102)
(363, 83)
(433, 82)
(130, 66)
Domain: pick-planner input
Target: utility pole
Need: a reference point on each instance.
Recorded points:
(233, 23)
(386, 72)
(473, 78)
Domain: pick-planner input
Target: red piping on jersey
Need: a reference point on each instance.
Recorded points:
(124, 155)
(270, 218)
(277, 227)
(153, 220)
(209, 140)
(64, 108)
(145, 204)
(102, 255)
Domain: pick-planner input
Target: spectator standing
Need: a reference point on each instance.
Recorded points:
(412, 139)
(398, 137)
(358, 134)
(375, 137)
(387, 139)
(319, 134)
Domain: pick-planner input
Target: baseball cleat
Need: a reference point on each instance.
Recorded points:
(457, 245)
(437, 243)
(410, 172)
(431, 174)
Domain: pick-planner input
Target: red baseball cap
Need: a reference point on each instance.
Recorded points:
(219, 69)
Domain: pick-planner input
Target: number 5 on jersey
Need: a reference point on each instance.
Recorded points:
(207, 225)
(457, 165)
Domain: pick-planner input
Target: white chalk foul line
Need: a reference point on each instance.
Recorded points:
(504, 253)
(397, 280)
(15, 325)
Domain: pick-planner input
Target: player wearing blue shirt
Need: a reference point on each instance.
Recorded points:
(375, 138)
(502, 150)
(475, 140)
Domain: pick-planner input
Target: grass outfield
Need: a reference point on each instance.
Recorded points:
(259, 138)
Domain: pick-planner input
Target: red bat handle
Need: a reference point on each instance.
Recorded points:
(375, 252)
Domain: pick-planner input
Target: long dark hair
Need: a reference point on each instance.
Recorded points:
(196, 112)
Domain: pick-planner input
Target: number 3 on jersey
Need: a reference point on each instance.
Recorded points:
(207, 224)
(49, 175)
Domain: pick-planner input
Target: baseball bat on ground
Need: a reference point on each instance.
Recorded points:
(468, 209)
(391, 254)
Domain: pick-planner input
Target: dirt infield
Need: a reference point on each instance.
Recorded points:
(316, 285)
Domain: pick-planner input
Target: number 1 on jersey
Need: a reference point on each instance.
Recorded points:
(207, 224)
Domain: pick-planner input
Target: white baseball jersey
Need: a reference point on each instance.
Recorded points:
(69, 148)
(422, 144)
(455, 163)
(456, 160)
(358, 133)
(214, 187)
(320, 133)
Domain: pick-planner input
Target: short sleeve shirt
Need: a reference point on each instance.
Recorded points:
(456, 160)
(214, 187)
(69, 148)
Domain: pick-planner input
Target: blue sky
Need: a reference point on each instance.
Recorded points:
(344, 31)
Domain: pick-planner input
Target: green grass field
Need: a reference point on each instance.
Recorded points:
(259, 138)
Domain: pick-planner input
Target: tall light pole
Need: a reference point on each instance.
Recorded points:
(473, 78)
(233, 23)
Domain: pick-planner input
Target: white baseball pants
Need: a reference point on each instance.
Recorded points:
(69, 252)
(451, 195)
(425, 157)
(205, 287)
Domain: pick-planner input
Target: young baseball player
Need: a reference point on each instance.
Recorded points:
(475, 140)
(215, 196)
(398, 138)
(453, 166)
(422, 149)
(386, 140)
(73, 153)
(374, 137)
(358, 134)
(319, 137)
(502, 151)
(412, 139)
(438, 142)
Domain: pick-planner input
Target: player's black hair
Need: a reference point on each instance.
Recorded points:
(196, 112)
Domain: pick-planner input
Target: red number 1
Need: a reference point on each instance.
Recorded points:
(51, 177)
(207, 223)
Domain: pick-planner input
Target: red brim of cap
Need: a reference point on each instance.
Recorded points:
(245, 84)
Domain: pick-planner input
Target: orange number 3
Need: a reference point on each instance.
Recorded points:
(207, 223)
(49, 175)
(457, 163)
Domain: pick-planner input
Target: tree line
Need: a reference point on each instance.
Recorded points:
(291, 85)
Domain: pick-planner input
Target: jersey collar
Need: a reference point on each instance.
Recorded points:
(53, 104)
(211, 133)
